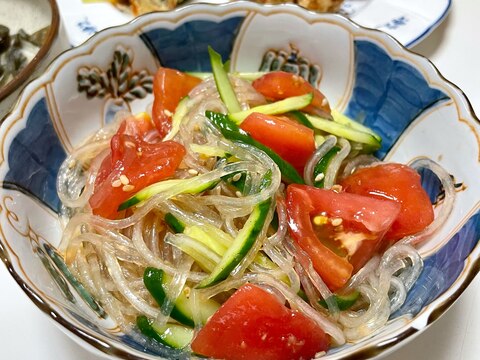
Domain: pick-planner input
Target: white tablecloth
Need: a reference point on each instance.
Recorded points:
(26, 333)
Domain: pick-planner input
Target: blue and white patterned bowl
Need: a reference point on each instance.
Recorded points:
(365, 73)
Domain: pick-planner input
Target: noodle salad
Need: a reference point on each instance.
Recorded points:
(243, 218)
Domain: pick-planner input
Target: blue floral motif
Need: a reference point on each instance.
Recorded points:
(87, 27)
(442, 269)
(185, 47)
(396, 23)
(388, 94)
(34, 158)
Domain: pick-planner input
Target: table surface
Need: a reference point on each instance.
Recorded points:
(26, 333)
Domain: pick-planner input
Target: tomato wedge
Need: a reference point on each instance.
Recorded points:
(132, 164)
(169, 87)
(348, 229)
(398, 183)
(278, 85)
(293, 142)
(254, 324)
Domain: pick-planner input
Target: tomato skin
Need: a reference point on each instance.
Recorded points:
(293, 142)
(169, 87)
(254, 324)
(365, 220)
(399, 183)
(142, 162)
(278, 85)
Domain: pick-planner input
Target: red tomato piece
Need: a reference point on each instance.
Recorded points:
(292, 141)
(254, 324)
(169, 87)
(142, 162)
(278, 85)
(349, 229)
(399, 183)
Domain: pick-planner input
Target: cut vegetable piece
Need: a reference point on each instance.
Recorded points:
(254, 324)
(172, 335)
(275, 108)
(343, 301)
(222, 81)
(176, 225)
(345, 120)
(241, 245)
(344, 131)
(154, 189)
(180, 112)
(231, 131)
(320, 168)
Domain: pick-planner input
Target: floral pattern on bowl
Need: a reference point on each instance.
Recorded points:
(364, 73)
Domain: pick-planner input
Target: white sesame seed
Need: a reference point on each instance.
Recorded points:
(236, 177)
(337, 188)
(167, 112)
(72, 164)
(127, 188)
(324, 102)
(129, 144)
(337, 221)
(319, 177)
(124, 179)
(116, 183)
(238, 194)
(192, 172)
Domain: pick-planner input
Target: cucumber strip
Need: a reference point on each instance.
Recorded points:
(154, 280)
(205, 257)
(224, 87)
(278, 107)
(190, 187)
(180, 112)
(321, 166)
(344, 302)
(207, 150)
(301, 118)
(345, 120)
(249, 76)
(176, 225)
(172, 335)
(241, 245)
(183, 309)
(198, 233)
(344, 131)
(231, 131)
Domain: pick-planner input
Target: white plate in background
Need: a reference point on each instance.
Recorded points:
(409, 21)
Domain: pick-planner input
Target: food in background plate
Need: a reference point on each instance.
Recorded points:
(235, 209)
(318, 5)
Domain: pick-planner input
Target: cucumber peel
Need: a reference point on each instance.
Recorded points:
(344, 301)
(278, 107)
(172, 335)
(224, 87)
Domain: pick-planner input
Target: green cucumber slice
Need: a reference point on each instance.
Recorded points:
(224, 87)
(180, 112)
(172, 335)
(344, 301)
(164, 185)
(278, 107)
(241, 245)
(345, 120)
(344, 131)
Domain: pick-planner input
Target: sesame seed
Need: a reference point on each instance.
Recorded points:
(129, 144)
(238, 194)
(167, 112)
(324, 102)
(192, 172)
(116, 183)
(127, 188)
(124, 179)
(337, 188)
(320, 220)
(72, 164)
(336, 221)
(236, 177)
(319, 177)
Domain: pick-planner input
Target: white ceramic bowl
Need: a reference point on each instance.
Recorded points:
(365, 73)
